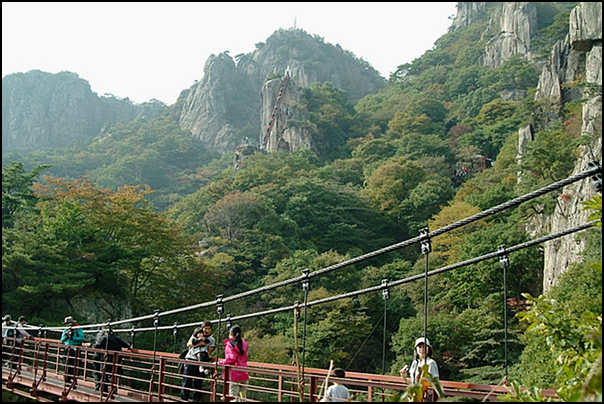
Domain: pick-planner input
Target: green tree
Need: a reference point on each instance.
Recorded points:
(333, 117)
(564, 334)
(90, 240)
(16, 190)
(391, 183)
(234, 213)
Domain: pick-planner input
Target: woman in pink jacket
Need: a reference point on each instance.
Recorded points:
(235, 353)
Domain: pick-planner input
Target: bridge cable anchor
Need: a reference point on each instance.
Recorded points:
(156, 318)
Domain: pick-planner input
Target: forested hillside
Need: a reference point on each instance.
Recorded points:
(162, 221)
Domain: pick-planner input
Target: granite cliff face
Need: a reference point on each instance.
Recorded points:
(225, 104)
(467, 13)
(513, 25)
(50, 110)
(577, 58)
(584, 56)
(291, 129)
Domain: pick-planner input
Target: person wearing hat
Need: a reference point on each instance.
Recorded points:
(72, 336)
(422, 355)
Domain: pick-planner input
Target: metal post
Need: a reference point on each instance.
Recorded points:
(505, 262)
(155, 324)
(175, 334)
(385, 296)
(426, 248)
(219, 309)
(306, 288)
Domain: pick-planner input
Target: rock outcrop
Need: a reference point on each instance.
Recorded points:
(291, 129)
(515, 23)
(50, 110)
(226, 101)
(467, 14)
(578, 56)
(222, 101)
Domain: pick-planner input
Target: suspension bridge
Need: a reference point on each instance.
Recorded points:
(35, 368)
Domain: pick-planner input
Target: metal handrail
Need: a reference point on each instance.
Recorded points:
(268, 382)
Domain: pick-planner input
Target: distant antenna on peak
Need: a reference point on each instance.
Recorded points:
(295, 21)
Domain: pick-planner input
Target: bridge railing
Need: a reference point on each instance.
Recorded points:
(149, 376)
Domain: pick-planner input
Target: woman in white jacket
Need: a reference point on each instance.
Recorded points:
(422, 356)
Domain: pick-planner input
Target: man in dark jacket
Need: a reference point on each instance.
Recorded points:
(109, 342)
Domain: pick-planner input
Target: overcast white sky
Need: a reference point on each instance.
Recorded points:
(156, 50)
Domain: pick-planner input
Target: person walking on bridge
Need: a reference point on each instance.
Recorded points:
(337, 392)
(8, 337)
(200, 347)
(421, 357)
(72, 336)
(235, 353)
(20, 333)
(110, 342)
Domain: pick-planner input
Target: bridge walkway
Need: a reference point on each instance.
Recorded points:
(39, 373)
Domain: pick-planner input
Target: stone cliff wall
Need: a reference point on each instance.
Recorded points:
(513, 26)
(579, 56)
(290, 131)
(50, 110)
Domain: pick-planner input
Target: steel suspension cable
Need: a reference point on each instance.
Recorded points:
(430, 273)
(364, 342)
(412, 278)
(372, 254)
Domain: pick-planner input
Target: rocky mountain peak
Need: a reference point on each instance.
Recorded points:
(227, 104)
(42, 109)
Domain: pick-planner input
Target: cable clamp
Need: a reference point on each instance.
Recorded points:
(228, 321)
(219, 305)
(297, 308)
(156, 318)
(425, 243)
(175, 330)
(596, 179)
(385, 290)
(305, 281)
(504, 261)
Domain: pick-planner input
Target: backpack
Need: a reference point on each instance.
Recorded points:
(181, 366)
(204, 356)
(11, 331)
